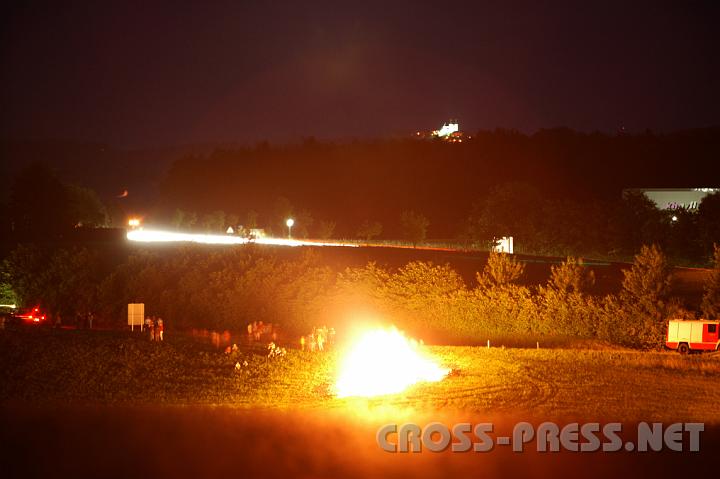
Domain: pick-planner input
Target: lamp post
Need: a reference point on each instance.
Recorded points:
(290, 222)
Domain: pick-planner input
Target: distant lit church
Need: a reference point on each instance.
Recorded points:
(450, 132)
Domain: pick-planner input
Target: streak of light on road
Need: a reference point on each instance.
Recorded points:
(142, 235)
(159, 236)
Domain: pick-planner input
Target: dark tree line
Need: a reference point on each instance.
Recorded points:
(556, 192)
(614, 229)
(41, 206)
(350, 183)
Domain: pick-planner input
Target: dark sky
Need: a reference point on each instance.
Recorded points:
(167, 73)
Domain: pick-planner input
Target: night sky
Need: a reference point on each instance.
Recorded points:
(139, 74)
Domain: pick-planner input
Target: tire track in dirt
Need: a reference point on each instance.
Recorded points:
(542, 389)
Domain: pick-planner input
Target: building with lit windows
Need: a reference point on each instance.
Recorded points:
(676, 198)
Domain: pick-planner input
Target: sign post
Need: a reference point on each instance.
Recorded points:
(136, 315)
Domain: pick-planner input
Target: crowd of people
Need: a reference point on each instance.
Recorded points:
(221, 340)
(274, 351)
(320, 339)
(155, 327)
(259, 331)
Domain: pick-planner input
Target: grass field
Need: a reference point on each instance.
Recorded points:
(113, 368)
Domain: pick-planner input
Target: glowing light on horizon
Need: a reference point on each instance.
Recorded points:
(447, 129)
(384, 361)
(159, 236)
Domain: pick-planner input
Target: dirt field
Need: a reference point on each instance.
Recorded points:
(120, 369)
(185, 411)
(568, 384)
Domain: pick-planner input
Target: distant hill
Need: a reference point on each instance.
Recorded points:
(353, 181)
(377, 180)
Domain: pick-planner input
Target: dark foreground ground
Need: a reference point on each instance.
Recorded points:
(221, 442)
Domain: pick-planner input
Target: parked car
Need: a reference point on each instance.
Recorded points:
(31, 316)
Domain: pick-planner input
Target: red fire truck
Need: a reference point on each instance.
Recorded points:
(693, 335)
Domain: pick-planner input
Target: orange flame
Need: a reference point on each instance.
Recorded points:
(384, 361)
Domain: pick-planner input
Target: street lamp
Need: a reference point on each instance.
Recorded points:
(290, 222)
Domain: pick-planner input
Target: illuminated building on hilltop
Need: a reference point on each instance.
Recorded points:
(447, 129)
(450, 132)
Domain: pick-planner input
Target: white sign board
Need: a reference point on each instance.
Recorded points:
(504, 245)
(136, 315)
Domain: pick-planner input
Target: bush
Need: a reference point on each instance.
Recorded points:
(571, 277)
(501, 269)
(647, 282)
(568, 314)
(711, 297)
(563, 306)
(644, 297)
(227, 289)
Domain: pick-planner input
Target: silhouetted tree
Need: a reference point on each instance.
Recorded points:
(39, 202)
(303, 224)
(178, 219)
(85, 207)
(569, 227)
(684, 239)
(325, 229)
(647, 282)
(214, 222)
(414, 226)
(24, 270)
(7, 294)
(75, 275)
(369, 230)
(251, 219)
(282, 210)
(190, 220)
(711, 297)
(511, 209)
(636, 221)
(709, 220)
(232, 220)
